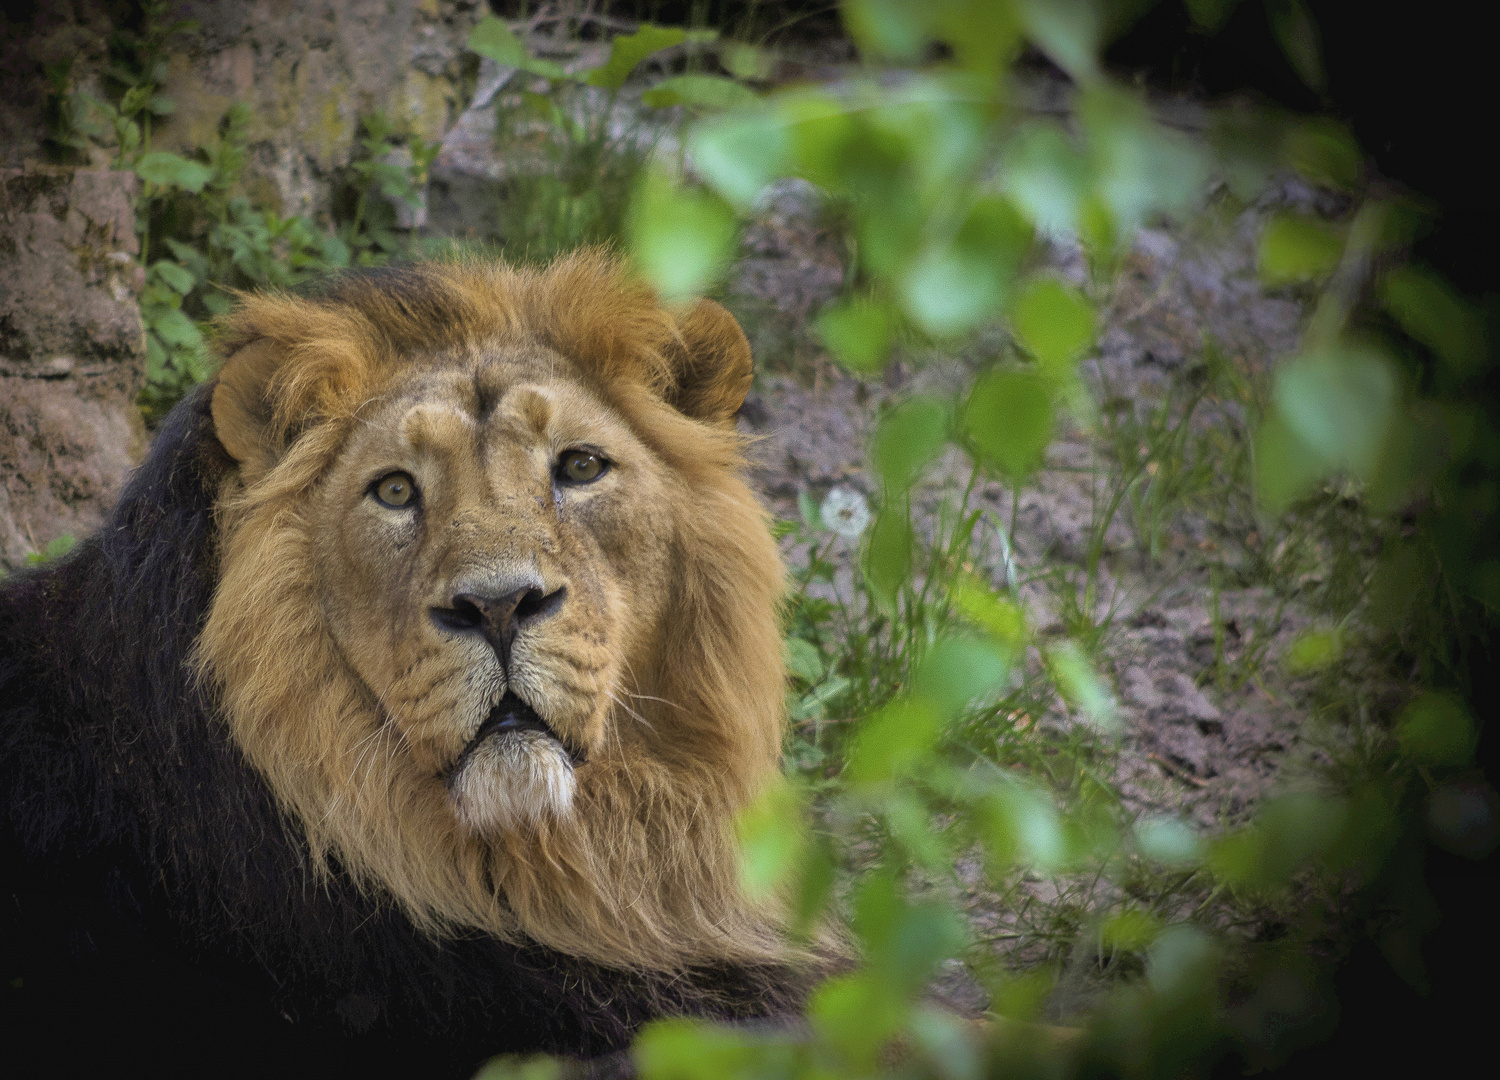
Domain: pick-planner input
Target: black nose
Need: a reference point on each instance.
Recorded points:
(498, 618)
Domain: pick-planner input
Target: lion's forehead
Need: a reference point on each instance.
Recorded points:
(487, 404)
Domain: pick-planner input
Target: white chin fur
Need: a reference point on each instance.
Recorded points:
(513, 781)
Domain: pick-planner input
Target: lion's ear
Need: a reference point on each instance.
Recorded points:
(244, 417)
(714, 370)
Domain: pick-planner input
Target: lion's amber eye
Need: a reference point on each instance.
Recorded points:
(395, 490)
(580, 466)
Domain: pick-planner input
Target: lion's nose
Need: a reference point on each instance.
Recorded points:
(498, 618)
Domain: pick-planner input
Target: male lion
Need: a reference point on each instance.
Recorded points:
(399, 715)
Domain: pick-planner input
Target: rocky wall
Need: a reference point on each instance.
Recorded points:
(72, 352)
(309, 70)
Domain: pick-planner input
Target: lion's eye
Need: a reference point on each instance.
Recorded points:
(395, 490)
(580, 466)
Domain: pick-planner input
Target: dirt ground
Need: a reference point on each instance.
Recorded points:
(1188, 748)
(1196, 629)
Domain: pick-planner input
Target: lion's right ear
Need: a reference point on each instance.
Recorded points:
(713, 367)
(244, 417)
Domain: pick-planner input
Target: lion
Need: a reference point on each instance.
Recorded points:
(405, 703)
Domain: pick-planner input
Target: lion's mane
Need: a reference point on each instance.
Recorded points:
(177, 852)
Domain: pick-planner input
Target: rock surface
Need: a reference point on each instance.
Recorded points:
(72, 352)
(309, 72)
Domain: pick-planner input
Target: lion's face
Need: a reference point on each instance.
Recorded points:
(497, 616)
(492, 547)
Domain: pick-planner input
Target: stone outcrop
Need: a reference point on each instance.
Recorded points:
(309, 70)
(72, 352)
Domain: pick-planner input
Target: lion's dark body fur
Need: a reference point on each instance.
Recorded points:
(157, 905)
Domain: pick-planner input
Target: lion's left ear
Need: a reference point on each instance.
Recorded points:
(244, 417)
(714, 367)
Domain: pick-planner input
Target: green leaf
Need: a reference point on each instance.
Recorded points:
(1001, 617)
(803, 660)
(1021, 825)
(1341, 404)
(1047, 176)
(895, 739)
(1009, 418)
(1082, 688)
(746, 62)
(1169, 842)
(1068, 31)
(889, 28)
(808, 508)
(157, 367)
(1313, 650)
(690, 1049)
(55, 549)
(700, 91)
(1300, 41)
(907, 439)
(888, 557)
(961, 286)
(857, 1015)
(740, 153)
(1325, 152)
(1295, 249)
(1431, 312)
(172, 170)
(628, 50)
(1131, 929)
(1139, 167)
(175, 328)
(1054, 322)
(957, 671)
(1436, 729)
(1286, 467)
(859, 332)
(821, 136)
(772, 834)
(681, 238)
(492, 38)
(176, 276)
(160, 105)
(1210, 15)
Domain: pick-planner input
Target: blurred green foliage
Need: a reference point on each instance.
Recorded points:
(918, 688)
(905, 678)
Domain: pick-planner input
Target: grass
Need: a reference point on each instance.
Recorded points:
(1173, 469)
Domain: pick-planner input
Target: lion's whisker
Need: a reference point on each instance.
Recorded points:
(647, 723)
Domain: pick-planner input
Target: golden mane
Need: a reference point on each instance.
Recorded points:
(644, 873)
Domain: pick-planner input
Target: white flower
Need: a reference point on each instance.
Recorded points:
(846, 512)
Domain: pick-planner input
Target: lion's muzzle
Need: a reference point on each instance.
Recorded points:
(514, 770)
